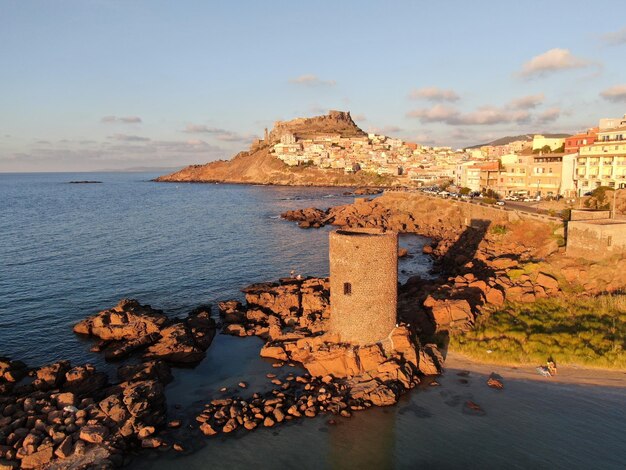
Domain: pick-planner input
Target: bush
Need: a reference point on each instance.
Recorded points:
(499, 229)
(465, 191)
(585, 331)
(489, 200)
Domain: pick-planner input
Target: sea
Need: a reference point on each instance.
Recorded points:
(70, 250)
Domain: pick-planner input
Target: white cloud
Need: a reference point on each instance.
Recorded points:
(615, 38)
(218, 133)
(434, 94)
(549, 115)
(526, 102)
(312, 81)
(615, 93)
(122, 119)
(552, 61)
(385, 130)
(437, 113)
(128, 138)
(485, 115)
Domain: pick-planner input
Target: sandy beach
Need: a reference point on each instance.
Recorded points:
(566, 374)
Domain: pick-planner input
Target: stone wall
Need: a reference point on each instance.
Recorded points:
(363, 284)
(589, 214)
(596, 239)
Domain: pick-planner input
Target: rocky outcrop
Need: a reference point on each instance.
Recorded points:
(130, 327)
(483, 258)
(70, 417)
(291, 316)
(128, 320)
(290, 308)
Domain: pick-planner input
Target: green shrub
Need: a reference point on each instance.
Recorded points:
(499, 229)
(584, 331)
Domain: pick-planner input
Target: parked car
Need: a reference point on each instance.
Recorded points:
(500, 203)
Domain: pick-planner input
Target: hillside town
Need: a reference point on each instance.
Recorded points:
(541, 166)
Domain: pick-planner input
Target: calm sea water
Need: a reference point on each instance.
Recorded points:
(67, 251)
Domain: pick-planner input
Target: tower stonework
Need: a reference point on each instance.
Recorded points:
(363, 284)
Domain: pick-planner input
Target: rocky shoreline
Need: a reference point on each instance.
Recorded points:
(63, 416)
(73, 416)
(477, 266)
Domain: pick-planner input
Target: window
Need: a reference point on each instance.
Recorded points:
(347, 288)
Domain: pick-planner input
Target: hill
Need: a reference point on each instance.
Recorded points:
(258, 166)
(512, 138)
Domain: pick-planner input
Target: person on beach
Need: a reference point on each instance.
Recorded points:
(551, 365)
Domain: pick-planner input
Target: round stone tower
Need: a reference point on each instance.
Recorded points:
(363, 284)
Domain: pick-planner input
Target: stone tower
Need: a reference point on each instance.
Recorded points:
(363, 284)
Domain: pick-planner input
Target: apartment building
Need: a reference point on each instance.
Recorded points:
(604, 162)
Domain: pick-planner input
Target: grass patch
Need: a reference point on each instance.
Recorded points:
(583, 331)
(499, 229)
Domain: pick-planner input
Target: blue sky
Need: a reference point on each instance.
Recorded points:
(88, 85)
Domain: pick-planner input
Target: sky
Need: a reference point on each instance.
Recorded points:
(88, 85)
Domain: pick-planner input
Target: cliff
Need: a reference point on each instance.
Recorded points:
(258, 166)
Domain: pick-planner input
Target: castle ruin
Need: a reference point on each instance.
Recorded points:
(363, 284)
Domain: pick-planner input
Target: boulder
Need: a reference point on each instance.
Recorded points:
(207, 429)
(549, 283)
(274, 352)
(39, 458)
(65, 448)
(494, 297)
(114, 408)
(120, 351)
(127, 320)
(84, 380)
(373, 391)
(177, 344)
(336, 360)
(150, 370)
(281, 300)
(450, 313)
(51, 376)
(94, 434)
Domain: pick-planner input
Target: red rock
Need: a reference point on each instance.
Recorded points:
(274, 352)
(94, 434)
(84, 380)
(127, 320)
(66, 399)
(64, 450)
(495, 297)
(373, 391)
(113, 407)
(450, 312)
(152, 443)
(38, 459)
(51, 376)
(548, 282)
(207, 429)
(495, 383)
(150, 370)
(230, 426)
(176, 345)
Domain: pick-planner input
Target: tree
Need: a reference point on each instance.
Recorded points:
(445, 185)
(465, 191)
